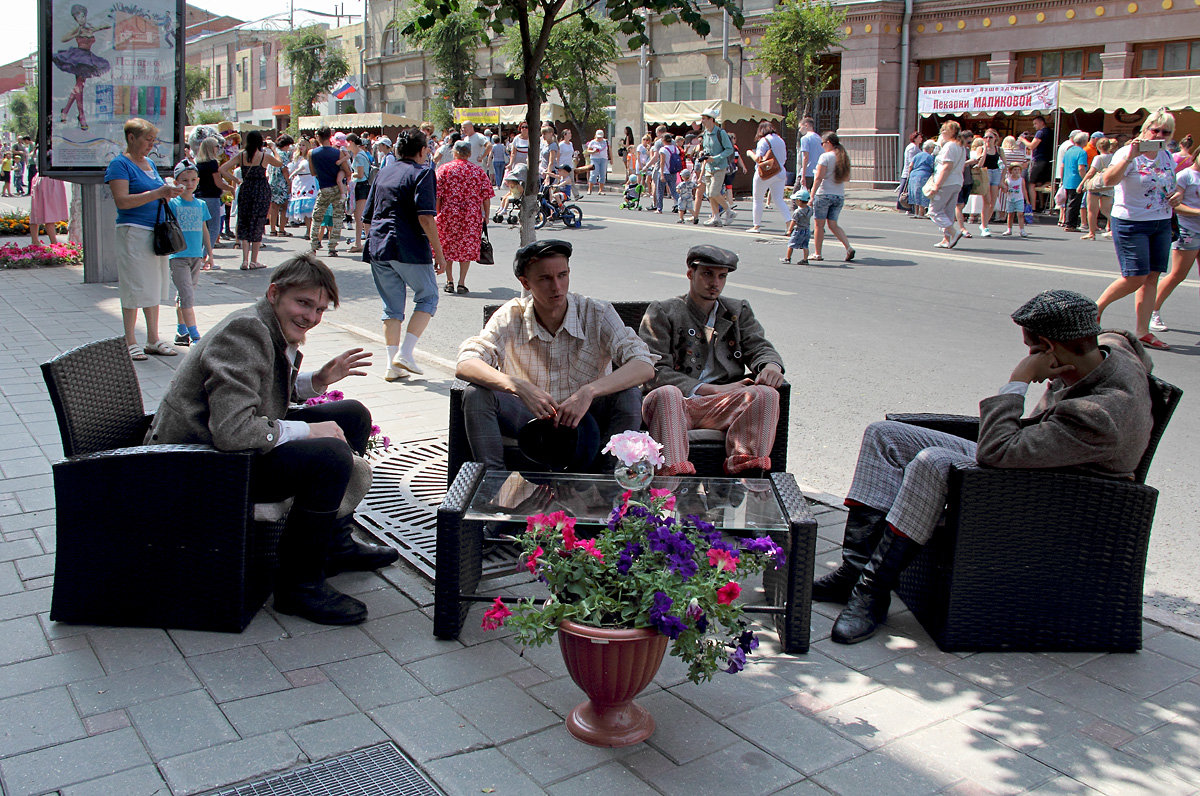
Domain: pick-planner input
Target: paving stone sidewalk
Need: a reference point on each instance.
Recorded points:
(116, 711)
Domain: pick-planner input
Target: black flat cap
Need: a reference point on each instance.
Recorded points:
(559, 447)
(537, 250)
(1059, 315)
(712, 255)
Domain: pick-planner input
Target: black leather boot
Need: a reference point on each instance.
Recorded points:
(864, 528)
(348, 554)
(872, 595)
(300, 587)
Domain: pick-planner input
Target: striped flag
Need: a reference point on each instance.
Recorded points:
(344, 90)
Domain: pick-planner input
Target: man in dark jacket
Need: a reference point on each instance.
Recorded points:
(1095, 416)
(234, 392)
(715, 370)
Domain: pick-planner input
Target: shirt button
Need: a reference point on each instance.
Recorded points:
(270, 438)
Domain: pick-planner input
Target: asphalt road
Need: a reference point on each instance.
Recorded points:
(905, 327)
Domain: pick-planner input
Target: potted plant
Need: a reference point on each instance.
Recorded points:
(617, 599)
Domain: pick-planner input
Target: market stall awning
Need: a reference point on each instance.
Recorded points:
(351, 122)
(688, 111)
(508, 114)
(1130, 94)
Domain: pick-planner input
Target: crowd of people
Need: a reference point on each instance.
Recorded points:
(1140, 191)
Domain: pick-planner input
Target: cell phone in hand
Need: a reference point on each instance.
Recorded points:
(1151, 145)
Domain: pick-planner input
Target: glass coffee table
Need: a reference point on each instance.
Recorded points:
(770, 506)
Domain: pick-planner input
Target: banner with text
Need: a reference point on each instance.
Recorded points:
(988, 98)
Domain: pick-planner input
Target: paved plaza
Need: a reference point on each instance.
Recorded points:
(116, 711)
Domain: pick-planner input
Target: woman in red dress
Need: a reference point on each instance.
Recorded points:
(464, 195)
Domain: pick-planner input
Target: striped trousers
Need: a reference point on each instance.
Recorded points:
(903, 470)
(747, 416)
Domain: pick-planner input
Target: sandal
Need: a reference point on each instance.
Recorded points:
(355, 249)
(816, 257)
(849, 255)
(137, 353)
(255, 267)
(462, 289)
(159, 348)
(448, 288)
(246, 266)
(1154, 342)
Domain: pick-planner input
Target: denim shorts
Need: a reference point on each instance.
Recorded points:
(1189, 240)
(392, 277)
(799, 238)
(994, 176)
(828, 206)
(1142, 246)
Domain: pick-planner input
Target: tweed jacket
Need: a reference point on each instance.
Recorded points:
(1100, 424)
(674, 330)
(233, 386)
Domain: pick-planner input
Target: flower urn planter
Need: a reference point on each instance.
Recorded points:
(612, 666)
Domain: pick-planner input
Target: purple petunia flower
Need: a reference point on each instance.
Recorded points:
(682, 564)
(747, 642)
(671, 627)
(628, 555)
(737, 661)
(767, 546)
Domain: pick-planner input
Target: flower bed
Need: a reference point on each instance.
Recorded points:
(16, 222)
(13, 255)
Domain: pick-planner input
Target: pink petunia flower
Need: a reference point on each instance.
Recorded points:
(669, 504)
(531, 563)
(728, 593)
(589, 546)
(494, 617)
(722, 559)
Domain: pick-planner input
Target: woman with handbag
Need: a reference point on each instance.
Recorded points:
(464, 198)
(769, 155)
(143, 276)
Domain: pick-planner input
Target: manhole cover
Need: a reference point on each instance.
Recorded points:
(381, 770)
(408, 484)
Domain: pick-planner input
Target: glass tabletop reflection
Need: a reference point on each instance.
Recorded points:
(733, 504)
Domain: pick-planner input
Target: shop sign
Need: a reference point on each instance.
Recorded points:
(988, 98)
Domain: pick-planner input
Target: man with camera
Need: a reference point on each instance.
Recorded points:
(717, 149)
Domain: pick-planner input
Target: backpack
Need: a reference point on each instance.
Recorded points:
(675, 162)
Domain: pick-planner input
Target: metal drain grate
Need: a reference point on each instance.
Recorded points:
(408, 484)
(381, 770)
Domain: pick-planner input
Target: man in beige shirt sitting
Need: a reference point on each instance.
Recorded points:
(554, 355)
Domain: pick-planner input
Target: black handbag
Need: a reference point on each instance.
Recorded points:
(168, 235)
(487, 256)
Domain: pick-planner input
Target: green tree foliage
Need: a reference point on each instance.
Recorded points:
(315, 67)
(208, 117)
(195, 83)
(533, 21)
(451, 42)
(23, 112)
(575, 70)
(798, 33)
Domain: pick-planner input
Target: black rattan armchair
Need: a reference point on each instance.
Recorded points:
(155, 536)
(707, 448)
(1036, 559)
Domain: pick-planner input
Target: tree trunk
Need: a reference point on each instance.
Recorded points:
(533, 118)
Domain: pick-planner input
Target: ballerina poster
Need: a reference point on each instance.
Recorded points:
(108, 62)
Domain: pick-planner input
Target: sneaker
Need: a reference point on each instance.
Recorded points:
(984, 232)
(407, 363)
(1156, 323)
(712, 221)
(185, 339)
(729, 216)
(1006, 233)
(1024, 234)
(395, 374)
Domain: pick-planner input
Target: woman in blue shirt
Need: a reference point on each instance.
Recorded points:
(142, 276)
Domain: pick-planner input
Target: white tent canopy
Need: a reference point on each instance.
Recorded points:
(508, 114)
(1130, 94)
(686, 112)
(350, 122)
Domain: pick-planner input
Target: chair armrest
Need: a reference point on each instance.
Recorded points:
(458, 447)
(963, 426)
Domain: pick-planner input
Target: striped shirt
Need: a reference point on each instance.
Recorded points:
(592, 341)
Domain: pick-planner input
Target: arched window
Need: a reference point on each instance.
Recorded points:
(390, 37)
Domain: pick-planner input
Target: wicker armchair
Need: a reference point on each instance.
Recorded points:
(153, 536)
(707, 447)
(1036, 559)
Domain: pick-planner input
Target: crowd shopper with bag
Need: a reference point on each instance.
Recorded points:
(768, 156)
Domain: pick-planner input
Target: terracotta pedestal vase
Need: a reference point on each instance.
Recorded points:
(612, 667)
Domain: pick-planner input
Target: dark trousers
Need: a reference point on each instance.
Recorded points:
(313, 471)
(1074, 202)
(490, 416)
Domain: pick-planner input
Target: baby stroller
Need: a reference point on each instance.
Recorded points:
(633, 194)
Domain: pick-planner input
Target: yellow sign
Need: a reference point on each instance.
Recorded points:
(477, 115)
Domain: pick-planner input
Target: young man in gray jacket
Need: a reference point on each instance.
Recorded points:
(1095, 415)
(234, 392)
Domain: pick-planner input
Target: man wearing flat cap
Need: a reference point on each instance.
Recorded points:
(553, 355)
(715, 370)
(1095, 416)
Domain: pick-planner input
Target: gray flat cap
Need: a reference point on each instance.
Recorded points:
(1059, 315)
(711, 255)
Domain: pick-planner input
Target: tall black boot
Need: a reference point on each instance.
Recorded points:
(864, 528)
(872, 595)
(348, 554)
(300, 587)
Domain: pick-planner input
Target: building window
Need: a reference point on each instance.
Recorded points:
(262, 73)
(389, 39)
(397, 107)
(955, 71)
(245, 74)
(217, 70)
(682, 90)
(1166, 58)
(1055, 64)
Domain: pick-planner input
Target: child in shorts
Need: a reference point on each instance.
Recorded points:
(798, 228)
(193, 216)
(514, 181)
(560, 191)
(1016, 193)
(686, 189)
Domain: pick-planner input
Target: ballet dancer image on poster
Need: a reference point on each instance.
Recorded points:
(80, 61)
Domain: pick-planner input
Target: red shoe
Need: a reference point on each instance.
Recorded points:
(1154, 342)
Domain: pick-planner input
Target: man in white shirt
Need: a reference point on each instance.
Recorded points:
(553, 355)
(481, 146)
